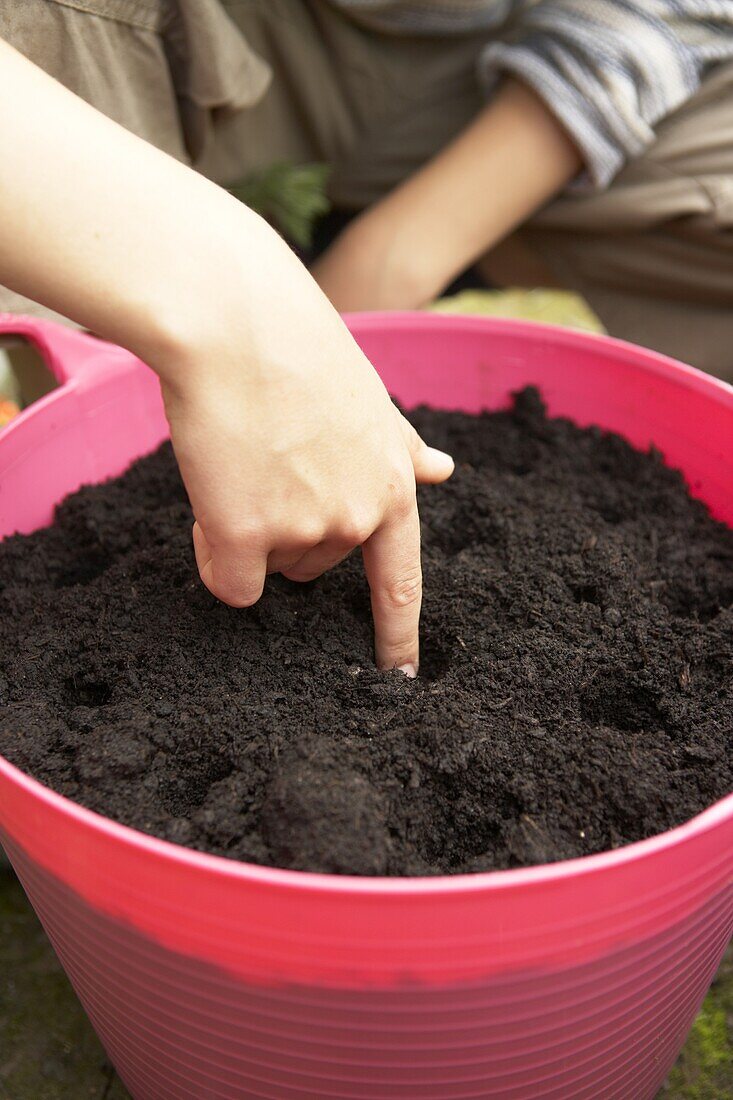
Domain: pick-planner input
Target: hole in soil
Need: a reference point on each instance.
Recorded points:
(84, 570)
(586, 593)
(610, 513)
(453, 842)
(705, 613)
(689, 603)
(622, 704)
(198, 772)
(86, 692)
(451, 538)
(435, 659)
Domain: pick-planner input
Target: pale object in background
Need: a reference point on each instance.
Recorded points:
(24, 377)
(8, 383)
(557, 307)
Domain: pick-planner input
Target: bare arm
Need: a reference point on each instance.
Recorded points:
(402, 251)
(291, 451)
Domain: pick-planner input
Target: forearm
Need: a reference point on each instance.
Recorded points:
(289, 446)
(101, 226)
(506, 164)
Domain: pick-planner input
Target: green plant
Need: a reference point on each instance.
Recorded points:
(289, 196)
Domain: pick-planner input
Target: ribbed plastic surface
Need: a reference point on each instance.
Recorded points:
(211, 980)
(177, 1028)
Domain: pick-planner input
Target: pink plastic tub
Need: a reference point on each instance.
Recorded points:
(211, 979)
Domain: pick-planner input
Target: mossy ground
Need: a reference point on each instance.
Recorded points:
(48, 1050)
(705, 1071)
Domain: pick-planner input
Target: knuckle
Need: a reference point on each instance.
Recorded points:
(237, 535)
(236, 597)
(404, 591)
(248, 597)
(403, 492)
(307, 534)
(229, 589)
(403, 501)
(353, 529)
(302, 576)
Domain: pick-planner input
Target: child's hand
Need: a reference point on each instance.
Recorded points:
(291, 449)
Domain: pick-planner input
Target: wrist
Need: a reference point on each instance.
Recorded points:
(382, 263)
(208, 300)
(510, 160)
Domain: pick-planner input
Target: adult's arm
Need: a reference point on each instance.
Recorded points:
(401, 252)
(576, 89)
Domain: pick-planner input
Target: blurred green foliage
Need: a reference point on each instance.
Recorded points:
(289, 196)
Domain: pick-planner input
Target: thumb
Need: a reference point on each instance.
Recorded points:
(431, 466)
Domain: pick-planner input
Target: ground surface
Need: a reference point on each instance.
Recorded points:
(48, 1050)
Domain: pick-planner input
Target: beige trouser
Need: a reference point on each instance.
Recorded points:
(232, 85)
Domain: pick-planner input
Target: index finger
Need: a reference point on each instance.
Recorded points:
(392, 565)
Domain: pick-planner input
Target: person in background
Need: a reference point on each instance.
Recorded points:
(577, 143)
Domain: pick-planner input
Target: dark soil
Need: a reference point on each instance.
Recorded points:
(575, 691)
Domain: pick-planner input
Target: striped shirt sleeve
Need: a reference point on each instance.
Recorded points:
(610, 70)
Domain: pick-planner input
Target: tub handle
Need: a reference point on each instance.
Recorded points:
(65, 351)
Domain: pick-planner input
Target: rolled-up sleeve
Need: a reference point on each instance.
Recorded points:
(610, 70)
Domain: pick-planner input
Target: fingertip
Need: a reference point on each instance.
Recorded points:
(443, 462)
(435, 466)
(233, 595)
(405, 659)
(409, 667)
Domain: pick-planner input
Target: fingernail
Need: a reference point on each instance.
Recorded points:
(446, 462)
(409, 670)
